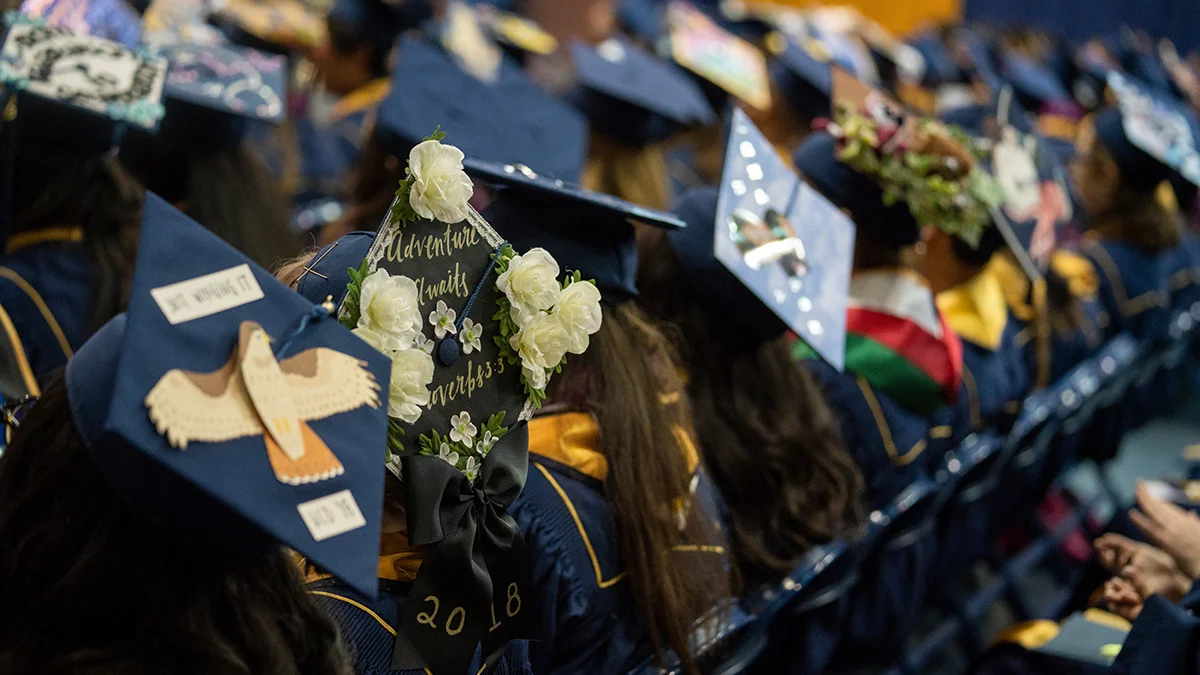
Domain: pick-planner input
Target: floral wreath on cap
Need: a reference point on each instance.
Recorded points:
(929, 165)
(540, 319)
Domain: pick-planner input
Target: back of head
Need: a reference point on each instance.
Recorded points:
(766, 432)
(61, 187)
(92, 588)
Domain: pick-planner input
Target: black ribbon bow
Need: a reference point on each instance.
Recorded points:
(474, 584)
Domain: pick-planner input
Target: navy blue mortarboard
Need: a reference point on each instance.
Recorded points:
(511, 120)
(803, 75)
(213, 91)
(982, 65)
(1150, 139)
(940, 67)
(584, 230)
(1035, 84)
(327, 275)
(817, 161)
(379, 21)
(231, 412)
(633, 97)
(768, 249)
(109, 19)
(645, 19)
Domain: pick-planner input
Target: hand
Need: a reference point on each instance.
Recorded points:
(1148, 569)
(1123, 599)
(1170, 528)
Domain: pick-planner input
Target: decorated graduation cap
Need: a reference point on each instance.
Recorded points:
(633, 97)
(231, 412)
(1150, 139)
(896, 171)
(1036, 203)
(214, 91)
(768, 247)
(475, 329)
(510, 119)
(277, 26)
(109, 19)
(734, 65)
(584, 230)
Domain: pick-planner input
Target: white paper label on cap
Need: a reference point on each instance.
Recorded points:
(207, 295)
(332, 515)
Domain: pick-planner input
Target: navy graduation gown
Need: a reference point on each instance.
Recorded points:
(47, 288)
(369, 628)
(589, 621)
(328, 153)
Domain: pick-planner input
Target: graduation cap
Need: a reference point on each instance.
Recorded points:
(109, 19)
(213, 92)
(982, 65)
(769, 248)
(277, 26)
(803, 74)
(940, 66)
(705, 48)
(633, 97)
(465, 308)
(231, 412)
(584, 230)
(1035, 84)
(380, 21)
(511, 120)
(1150, 139)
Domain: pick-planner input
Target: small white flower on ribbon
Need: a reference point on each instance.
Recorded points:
(461, 429)
(443, 320)
(449, 455)
(484, 446)
(472, 468)
(470, 335)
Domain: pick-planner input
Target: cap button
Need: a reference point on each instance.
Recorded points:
(448, 351)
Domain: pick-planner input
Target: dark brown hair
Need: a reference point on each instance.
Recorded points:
(370, 188)
(56, 187)
(622, 379)
(91, 588)
(226, 189)
(1138, 215)
(765, 429)
(345, 37)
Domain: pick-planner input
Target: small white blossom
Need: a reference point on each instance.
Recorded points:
(461, 429)
(372, 337)
(412, 372)
(486, 441)
(472, 468)
(441, 189)
(390, 306)
(530, 283)
(443, 320)
(470, 335)
(449, 455)
(423, 343)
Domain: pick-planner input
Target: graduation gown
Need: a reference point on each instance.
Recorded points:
(1165, 639)
(329, 152)
(589, 621)
(46, 289)
(369, 626)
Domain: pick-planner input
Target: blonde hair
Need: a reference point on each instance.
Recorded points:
(637, 175)
(289, 270)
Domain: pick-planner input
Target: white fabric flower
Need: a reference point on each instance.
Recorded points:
(461, 429)
(530, 283)
(443, 320)
(440, 187)
(423, 343)
(486, 441)
(470, 335)
(372, 337)
(578, 308)
(472, 468)
(542, 342)
(412, 371)
(449, 455)
(390, 305)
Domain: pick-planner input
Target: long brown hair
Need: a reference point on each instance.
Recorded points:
(765, 429)
(56, 187)
(91, 588)
(622, 379)
(1141, 215)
